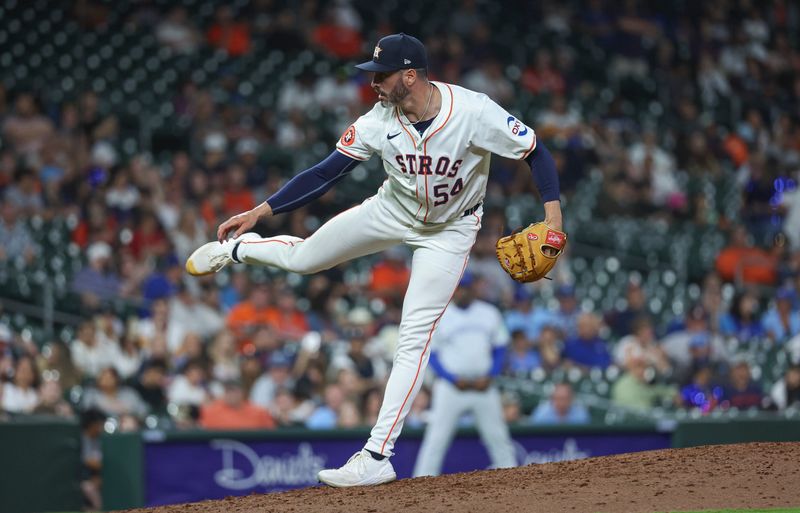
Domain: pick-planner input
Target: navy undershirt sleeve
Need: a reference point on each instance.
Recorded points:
(311, 183)
(543, 169)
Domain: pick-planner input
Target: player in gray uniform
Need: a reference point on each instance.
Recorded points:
(435, 141)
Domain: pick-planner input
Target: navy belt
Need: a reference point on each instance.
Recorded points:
(470, 211)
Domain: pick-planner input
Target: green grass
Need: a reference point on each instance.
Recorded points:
(777, 510)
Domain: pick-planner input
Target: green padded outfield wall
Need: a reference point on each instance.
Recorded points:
(719, 431)
(40, 464)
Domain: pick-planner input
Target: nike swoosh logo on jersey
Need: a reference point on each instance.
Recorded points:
(390, 137)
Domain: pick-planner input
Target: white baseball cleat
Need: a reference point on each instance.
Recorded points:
(360, 470)
(210, 258)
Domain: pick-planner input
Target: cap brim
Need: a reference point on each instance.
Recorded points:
(374, 66)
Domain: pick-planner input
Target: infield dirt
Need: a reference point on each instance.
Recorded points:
(756, 475)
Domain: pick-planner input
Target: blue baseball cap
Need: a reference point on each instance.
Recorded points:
(396, 52)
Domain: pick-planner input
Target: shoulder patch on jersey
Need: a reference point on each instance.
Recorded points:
(349, 136)
(516, 126)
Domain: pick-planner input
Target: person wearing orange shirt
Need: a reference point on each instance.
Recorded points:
(246, 317)
(287, 320)
(743, 262)
(228, 34)
(390, 276)
(233, 411)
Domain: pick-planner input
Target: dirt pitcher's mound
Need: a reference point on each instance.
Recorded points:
(757, 475)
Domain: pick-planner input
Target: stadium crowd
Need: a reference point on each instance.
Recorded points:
(670, 100)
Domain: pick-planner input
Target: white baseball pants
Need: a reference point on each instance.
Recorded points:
(440, 256)
(448, 405)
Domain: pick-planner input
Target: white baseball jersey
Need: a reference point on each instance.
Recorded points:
(466, 337)
(437, 176)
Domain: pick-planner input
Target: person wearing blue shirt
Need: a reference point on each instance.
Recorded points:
(782, 321)
(742, 320)
(527, 317)
(560, 409)
(587, 349)
(522, 358)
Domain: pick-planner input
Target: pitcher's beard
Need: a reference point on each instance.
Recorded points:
(398, 93)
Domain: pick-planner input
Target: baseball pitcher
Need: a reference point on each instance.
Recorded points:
(435, 141)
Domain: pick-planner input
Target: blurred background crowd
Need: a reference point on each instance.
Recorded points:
(129, 130)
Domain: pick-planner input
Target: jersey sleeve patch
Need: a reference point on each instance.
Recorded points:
(349, 136)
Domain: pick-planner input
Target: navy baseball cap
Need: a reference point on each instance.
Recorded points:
(396, 52)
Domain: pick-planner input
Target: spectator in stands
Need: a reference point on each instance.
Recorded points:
(743, 262)
(369, 368)
(228, 34)
(488, 78)
(236, 291)
(97, 283)
(635, 389)
(641, 344)
(189, 234)
(90, 351)
(566, 317)
(15, 237)
(621, 321)
(188, 315)
(25, 192)
(277, 376)
(389, 276)
(176, 31)
(742, 320)
(648, 159)
(128, 357)
(190, 387)
(522, 357)
(694, 344)
(337, 37)
(285, 409)
(325, 416)
(288, 321)
(57, 364)
(165, 282)
(349, 415)
(238, 197)
(782, 320)
(113, 399)
(224, 357)
(420, 409)
(587, 349)
(550, 346)
(51, 400)
(526, 316)
(21, 395)
(26, 129)
(558, 122)
(245, 318)
(702, 392)
(786, 391)
(742, 392)
(151, 385)
(542, 77)
(560, 408)
(234, 411)
(495, 286)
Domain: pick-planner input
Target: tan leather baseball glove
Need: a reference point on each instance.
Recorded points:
(529, 254)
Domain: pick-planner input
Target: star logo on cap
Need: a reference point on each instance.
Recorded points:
(376, 53)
